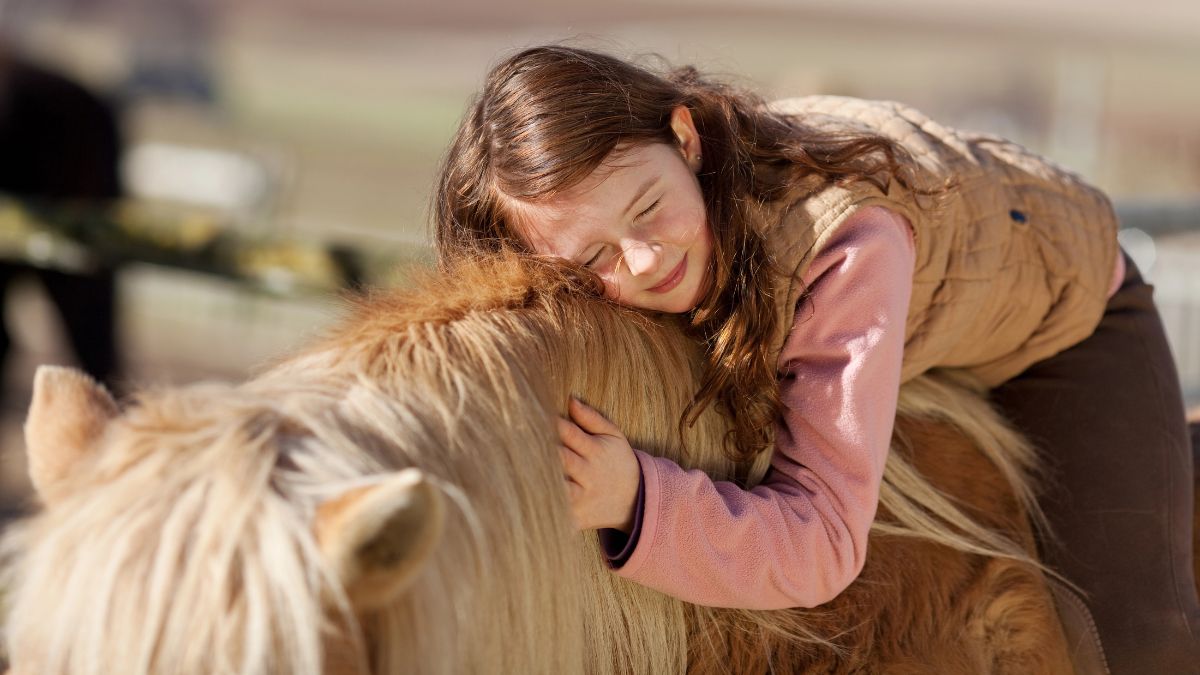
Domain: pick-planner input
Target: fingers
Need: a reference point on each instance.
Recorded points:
(574, 491)
(574, 437)
(575, 494)
(590, 419)
(574, 464)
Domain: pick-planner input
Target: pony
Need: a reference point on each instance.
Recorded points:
(389, 499)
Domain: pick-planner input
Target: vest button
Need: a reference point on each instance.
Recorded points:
(1017, 216)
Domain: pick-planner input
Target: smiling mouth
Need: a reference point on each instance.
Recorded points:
(672, 279)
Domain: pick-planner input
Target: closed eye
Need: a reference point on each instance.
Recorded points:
(594, 259)
(651, 209)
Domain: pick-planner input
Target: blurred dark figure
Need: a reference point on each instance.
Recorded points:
(59, 141)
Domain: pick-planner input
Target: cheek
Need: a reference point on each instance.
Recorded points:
(706, 242)
(613, 291)
(686, 224)
(612, 286)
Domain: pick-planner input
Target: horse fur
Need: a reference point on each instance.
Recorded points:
(188, 537)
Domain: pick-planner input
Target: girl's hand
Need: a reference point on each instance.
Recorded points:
(601, 470)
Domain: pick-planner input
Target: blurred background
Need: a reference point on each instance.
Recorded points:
(265, 154)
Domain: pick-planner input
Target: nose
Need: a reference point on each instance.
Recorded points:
(641, 257)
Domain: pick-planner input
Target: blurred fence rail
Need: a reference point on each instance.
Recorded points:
(171, 313)
(1160, 217)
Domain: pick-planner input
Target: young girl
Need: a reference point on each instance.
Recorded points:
(825, 250)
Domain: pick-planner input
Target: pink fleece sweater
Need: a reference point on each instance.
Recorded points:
(800, 537)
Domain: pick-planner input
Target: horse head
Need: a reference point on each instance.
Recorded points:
(390, 499)
(399, 477)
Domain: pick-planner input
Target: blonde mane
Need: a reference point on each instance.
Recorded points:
(185, 544)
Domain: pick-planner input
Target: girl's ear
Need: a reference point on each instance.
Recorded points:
(686, 136)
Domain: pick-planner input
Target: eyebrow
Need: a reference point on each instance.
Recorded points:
(640, 193)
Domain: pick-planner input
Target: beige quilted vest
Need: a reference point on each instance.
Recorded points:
(1012, 268)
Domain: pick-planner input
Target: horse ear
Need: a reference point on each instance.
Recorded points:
(69, 412)
(377, 538)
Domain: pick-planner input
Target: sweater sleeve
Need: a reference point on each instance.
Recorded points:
(799, 538)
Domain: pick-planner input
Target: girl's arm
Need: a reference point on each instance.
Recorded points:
(800, 537)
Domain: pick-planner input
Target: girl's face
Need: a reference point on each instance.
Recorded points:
(638, 221)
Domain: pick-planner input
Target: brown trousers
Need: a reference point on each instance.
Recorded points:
(1108, 416)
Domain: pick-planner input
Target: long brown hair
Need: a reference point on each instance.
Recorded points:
(548, 116)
